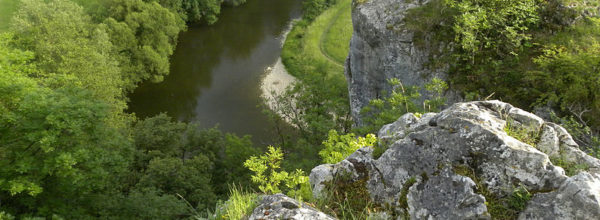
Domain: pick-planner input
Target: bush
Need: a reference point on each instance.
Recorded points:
(313, 8)
(269, 176)
(338, 147)
(526, 52)
(240, 205)
(402, 100)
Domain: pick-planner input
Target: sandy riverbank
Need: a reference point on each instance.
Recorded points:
(276, 78)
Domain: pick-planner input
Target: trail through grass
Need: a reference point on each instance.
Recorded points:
(7, 9)
(336, 39)
(320, 46)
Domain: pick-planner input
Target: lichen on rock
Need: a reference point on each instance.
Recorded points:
(471, 135)
(382, 48)
(279, 206)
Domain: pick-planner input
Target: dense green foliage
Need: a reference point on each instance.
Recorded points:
(318, 103)
(68, 150)
(269, 176)
(142, 48)
(527, 52)
(194, 10)
(7, 8)
(69, 49)
(339, 147)
(50, 142)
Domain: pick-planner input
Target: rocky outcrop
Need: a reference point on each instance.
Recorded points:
(382, 48)
(456, 163)
(577, 198)
(279, 206)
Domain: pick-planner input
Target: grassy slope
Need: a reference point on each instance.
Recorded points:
(335, 40)
(7, 8)
(307, 48)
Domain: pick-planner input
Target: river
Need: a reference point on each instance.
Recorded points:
(216, 70)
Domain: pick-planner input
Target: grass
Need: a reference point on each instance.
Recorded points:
(525, 134)
(347, 199)
(307, 50)
(571, 168)
(531, 136)
(403, 200)
(507, 207)
(336, 38)
(7, 8)
(240, 205)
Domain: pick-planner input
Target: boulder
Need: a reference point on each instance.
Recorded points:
(577, 198)
(279, 206)
(447, 165)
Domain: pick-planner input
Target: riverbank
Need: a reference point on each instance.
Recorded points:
(308, 48)
(277, 78)
(320, 46)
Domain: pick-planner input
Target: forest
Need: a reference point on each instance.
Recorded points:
(69, 149)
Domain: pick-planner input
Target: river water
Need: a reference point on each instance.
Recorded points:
(216, 70)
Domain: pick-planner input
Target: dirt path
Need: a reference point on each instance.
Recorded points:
(338, 14)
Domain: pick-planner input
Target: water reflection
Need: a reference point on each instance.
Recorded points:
(216, 70)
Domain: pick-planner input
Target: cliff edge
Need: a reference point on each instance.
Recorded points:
(382, 48)
(474, 160)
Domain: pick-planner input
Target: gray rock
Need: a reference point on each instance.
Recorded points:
(359, 165)
(465, 203)
(279, 206)
(381, 49)
(448, 151)
(318, 177)
(577, 198)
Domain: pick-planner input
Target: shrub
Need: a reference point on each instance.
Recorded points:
(402, 100)
(240, 205)
(338, 147)
(269, 176)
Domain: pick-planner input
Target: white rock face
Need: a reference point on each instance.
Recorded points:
(437, 149)
(279, 206)
(382, 48)
(577, 198)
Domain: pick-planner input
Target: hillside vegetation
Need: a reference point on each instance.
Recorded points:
(529, 52)
(69, 150)
(7, 8)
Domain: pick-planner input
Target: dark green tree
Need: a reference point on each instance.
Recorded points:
(194, 11)
(69, 49)
(144, 35)
(58, 147)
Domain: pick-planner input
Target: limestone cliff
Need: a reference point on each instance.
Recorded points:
(466, 162)
(459, 163)
(382, 48)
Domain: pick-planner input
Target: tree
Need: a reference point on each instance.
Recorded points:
(144, 35)
(69, 49)
(157, 136)
(189, 178)
(147, 203)
(195, 11)
(160, 141)
(57, 146)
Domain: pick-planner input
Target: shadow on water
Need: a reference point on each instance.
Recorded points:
(216, 70)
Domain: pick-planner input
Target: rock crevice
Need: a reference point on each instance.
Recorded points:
(382, 48)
